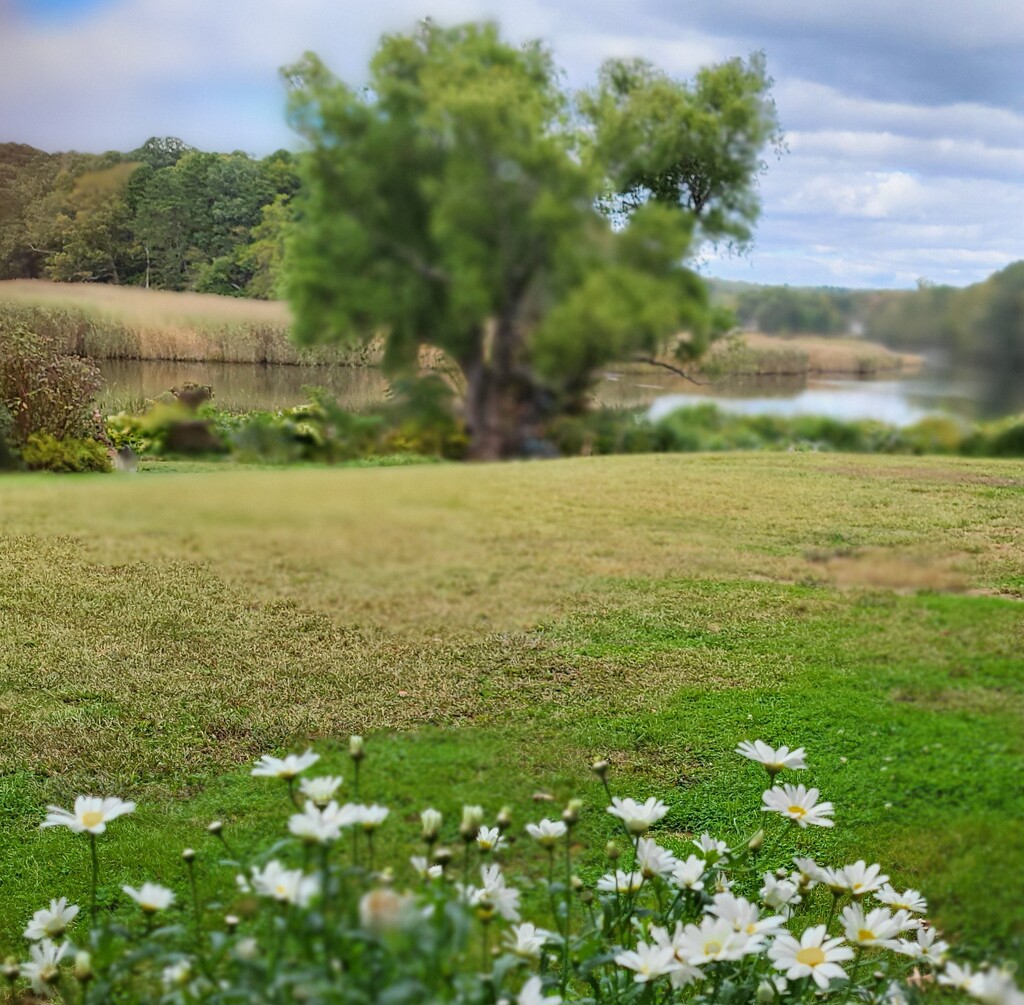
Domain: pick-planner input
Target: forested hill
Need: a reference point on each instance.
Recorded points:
(164, 215)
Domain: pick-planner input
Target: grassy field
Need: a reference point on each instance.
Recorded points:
(492, 628)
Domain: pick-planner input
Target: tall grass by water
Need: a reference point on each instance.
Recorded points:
(119, 322)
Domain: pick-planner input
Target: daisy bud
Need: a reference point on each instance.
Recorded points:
(611, 850)
(83, 968)
(754, 844)
(12, 971)
(571, 813)
(504, 818)
(231, 922)
(600, 768)
(586, 895)
(576, 883)
(215, 827)
(431, 821)
(472, 818)
(189, 855)
(355, 748)
(765, 993)
(442, 856)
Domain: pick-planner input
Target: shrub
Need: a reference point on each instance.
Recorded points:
(44, 390)
(317, 917)
(43, 452)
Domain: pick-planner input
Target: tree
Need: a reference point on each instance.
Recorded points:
(456, 202)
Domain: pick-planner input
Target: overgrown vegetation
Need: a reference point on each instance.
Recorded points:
(47, 416)
(107, 322)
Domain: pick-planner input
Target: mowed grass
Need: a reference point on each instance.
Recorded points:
(493, 628)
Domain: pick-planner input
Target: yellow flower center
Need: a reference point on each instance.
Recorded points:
(92, 818)
(798, 811)
(865, 935)
(281, 890)
(710, 948)
(811, 956)
(751, 928)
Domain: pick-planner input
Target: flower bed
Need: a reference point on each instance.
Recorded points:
(318, 918)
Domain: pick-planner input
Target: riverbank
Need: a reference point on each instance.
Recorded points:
(496, 627)
(128, 323)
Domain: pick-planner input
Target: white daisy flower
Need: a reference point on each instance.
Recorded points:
(289, 886)
(526, 940)
(504, 898)
(176, 975)
(876, 928)
(712, 848)
(689, 875)
(532, 994)
(91, 814)
(743, 915)
(489, 839)
(779, 894)
(315, 825)
(367, 817)
(715, 939)
(927, 946)
(813, 956)
(621, 882)
(862, 879)
(774, 761)
(287, 767)
(653, 860)
(424, 869)
(908, 900)
(51, 922)
(430, 822)
(638, 817)
(959, 976)
(686, 974)
(995, 987)
(320, 791)
(151, 897)
(648, 962)
(810, 873)
(799, 804)
(43, 969)
(548, 832)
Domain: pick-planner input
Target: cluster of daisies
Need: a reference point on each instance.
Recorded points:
(706, 924)
(732, 927)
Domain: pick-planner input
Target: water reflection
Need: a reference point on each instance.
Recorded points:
(937, 388)
(239, 386)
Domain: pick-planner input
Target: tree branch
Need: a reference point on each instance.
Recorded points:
(668, 366)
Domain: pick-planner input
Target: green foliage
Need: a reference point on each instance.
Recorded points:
(786, 309)
(696, 146)
(43, 389)
(449, 203)
(43, 452)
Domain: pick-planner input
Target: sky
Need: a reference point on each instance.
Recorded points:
(903, 119)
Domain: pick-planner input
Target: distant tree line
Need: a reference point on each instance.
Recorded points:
(165, 215)
(983, 322)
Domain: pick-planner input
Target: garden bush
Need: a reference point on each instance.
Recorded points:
(44, 452)
(317, 917)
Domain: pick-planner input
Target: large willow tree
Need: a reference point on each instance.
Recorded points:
(464, 200)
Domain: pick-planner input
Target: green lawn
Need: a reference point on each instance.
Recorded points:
(493, 628)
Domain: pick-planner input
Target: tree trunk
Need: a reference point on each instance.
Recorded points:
(502, 407)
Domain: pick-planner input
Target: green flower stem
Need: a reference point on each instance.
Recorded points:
(95, 876)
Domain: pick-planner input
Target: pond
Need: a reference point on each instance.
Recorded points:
(936, 388)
